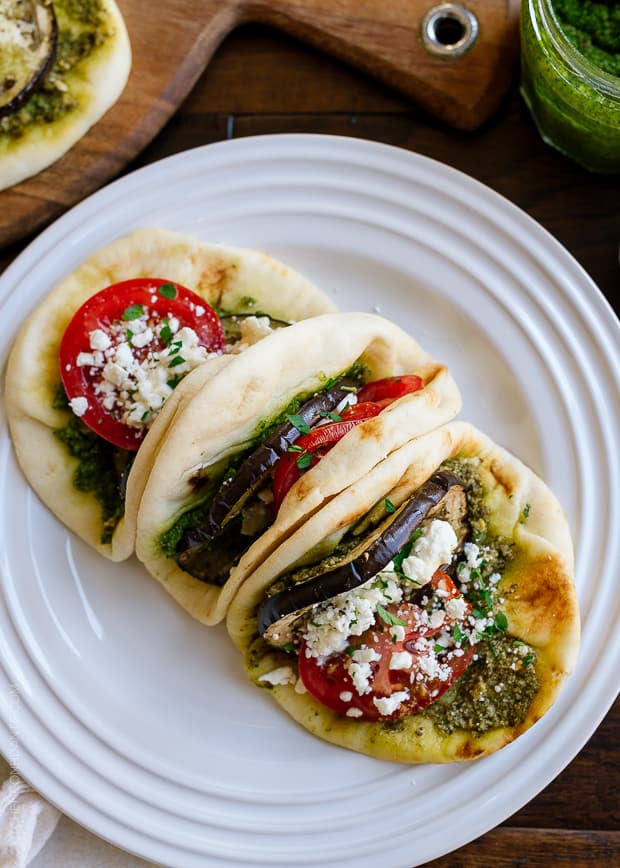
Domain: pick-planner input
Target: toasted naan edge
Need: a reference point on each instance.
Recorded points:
(538, 588)
(97, 85)
(223, 276)
(225, 416)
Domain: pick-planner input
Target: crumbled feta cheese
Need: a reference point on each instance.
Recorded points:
(354, 712)
(141, 339)
(360, 670)
(432, 549)
(300, 687)
(387, 705)
(281, 675)
(99, 340)
(351, 614)
(254, 329)
(436, 619)
(401, 660)
(398, 633)
(79, 405)
(346, 696)
(87, 360)
(456, 608)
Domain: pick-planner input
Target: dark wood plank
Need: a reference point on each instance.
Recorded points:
(528, 848)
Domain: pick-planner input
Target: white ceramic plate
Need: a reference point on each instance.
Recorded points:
(138, 722)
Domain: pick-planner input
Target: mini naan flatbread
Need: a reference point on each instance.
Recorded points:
(228, 278)
(224, 417)
(90, 88)
(536, 589)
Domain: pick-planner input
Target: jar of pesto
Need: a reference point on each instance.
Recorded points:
(573, 99)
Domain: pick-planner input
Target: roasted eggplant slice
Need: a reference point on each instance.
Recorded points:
(251, 476)
(278, 614)
(28, 34)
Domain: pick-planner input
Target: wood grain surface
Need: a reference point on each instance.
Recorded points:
(575, 821)
(172, 48)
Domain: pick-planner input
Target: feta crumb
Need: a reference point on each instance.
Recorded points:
(300, 687)
(99, 340)
(398, 633)
(79, 405)
(346, 696)
(387, 705)
(281, 675)
(401, 660)
(434, 548)
(354, 712)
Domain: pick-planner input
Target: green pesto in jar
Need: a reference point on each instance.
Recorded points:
(570, 68)
(594, 30)
(81, 30)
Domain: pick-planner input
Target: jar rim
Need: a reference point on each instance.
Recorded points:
(607, 82)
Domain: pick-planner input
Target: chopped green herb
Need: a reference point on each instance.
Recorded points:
(525, 513)
(298, 422)
(165, 333)
(304, 461)
(501, 622)
(389, 506)
(134, 311)
(177, 360)
(173, 382)
(438, 648)
(329, 414)
(528, 659)
(477, 613)
(389, 619)
(314, 623)
(350, 651)
(288, 647)
(457, 633)
(294, 448)
(349, 388)
(486, 596)
(129, 334)
(248, 301)
(167, 290)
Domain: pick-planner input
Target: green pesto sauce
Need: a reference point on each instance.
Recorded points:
(209, 485)
(491, 693)
(594, 30)
(80, 32)
(100, 467)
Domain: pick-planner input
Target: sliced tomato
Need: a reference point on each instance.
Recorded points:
(309, 448)
(329, 680)
(390, 388)
(112, 310)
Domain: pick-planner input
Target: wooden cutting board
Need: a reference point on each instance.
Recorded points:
(172, 43)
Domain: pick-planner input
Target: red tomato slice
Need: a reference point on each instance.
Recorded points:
(329, 679)
(315, 444)
(390, 388)
(112, 310)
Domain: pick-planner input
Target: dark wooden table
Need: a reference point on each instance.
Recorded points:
(262, 82)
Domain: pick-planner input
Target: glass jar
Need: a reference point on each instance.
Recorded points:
(575, 104)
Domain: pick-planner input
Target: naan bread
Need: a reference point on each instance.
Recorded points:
(226, 277)
(96, 83)
(537, 585)
(223, 417)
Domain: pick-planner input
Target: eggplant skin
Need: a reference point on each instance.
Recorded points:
(18, 84)
(276, 614)
(253, 473)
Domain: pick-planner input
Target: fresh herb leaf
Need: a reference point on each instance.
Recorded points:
(501, 622)
(298, 422)
(389, 506)
(129, 334)
(304, 461)
(389, 619)
(349, 388)
(294, 448)
(350, 651)
(248, 301)
(525, 513)
(165, 333)
(528, 659)
(329, 414)
(134, 311)
(457, 633)
(167, 290)
(288, 647)
(173, 382)
(177, 360)
(438, 648)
